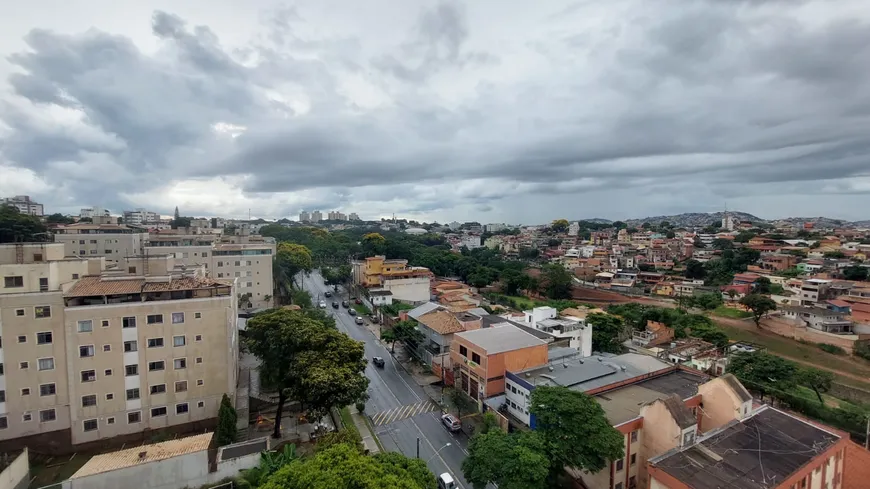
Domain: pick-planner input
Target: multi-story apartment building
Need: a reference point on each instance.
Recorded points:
(34, 393)
(407, 284)
(245, 257)
(102, 237)
(316, 216)
(304, 216)
(24, 205)
(353, 216)
(102, 352)
(141, 217)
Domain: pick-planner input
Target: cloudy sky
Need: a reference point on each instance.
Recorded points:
(491, 110)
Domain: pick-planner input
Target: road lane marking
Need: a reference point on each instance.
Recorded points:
(402, 412)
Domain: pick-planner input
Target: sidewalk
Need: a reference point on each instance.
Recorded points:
(368, 437)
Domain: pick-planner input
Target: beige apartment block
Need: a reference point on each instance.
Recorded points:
(141, 345)
(103, 237)
(34, 398)
(245, 257)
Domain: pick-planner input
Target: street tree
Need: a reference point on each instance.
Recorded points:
(388, 335)
(560, 226)
(558, 282)
(16, 227)
(817, 380)
(759, 305)
(343, 465)
(607, 332)
(307, 360)
(373, 244)
(226, 431)
(460, 401)
(575, 430)
(290, 260)
(407, 332)
(510, 461)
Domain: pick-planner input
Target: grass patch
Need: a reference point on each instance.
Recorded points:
(729, 312)
(347, 420)
(806, 352)
(43, 475)
(522, 302)
(362, 309)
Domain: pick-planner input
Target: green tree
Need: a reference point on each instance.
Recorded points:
(759, 305)
(388, 335)
(855, 273)
(607, 332)
(834, 254)
(16, 227)
(744, 237)
(290, 260)
(226, 429)
(307, 360)
(763, 370)
(374, 244)
(461, 402)
(817, 380)
(343, 465)
(560, 226)
(301, 298)
(762, 285)
(558, 282)
(58, 218)
(407, 332)
(722, 244)
(512, 281)
(526, 253)
(511, 461)
(670, 234)
(575, 430)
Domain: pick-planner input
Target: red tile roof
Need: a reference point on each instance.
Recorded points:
(94, 285)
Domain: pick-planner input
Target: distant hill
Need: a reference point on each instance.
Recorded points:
(695, 219)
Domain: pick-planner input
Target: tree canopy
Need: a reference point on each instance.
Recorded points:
(560, 226)
(759, 305)
(306, 359)
(557, 282)
(511, 461)
(574, 430)
(763, 369)
(344, 465)
(16, 227)
(607, 331)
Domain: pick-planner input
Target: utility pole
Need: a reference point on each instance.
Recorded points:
(418, 448)
(866, 436)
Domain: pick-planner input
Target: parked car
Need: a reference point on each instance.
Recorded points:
(335, 304)
(373, 318)
(344, 304)
(445, 481)
(357, 300)
(322, 304)
(451, 422)
(351, 312)
(378, 362)
(327, 293)
(358, 320)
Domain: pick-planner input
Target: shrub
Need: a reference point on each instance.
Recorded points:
(227, 417)
(361, 407)
(863, 350)
(836, 350)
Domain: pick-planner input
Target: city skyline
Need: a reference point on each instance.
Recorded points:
(487, 112)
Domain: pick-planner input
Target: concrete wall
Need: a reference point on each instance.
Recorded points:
(412, 290)
(17, 474)
(174, 473)
(721, 405)
(660, 433)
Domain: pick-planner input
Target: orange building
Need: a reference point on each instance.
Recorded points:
(482, 357)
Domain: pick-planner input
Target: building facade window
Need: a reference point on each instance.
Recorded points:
(156, 366)
(463, 351)
(158, 389)
(47, 415)
(131, 346)
(181, 408)
(181, 386)
(178, 341)
(89, 400)
(128, 322)
(131, 370)
(13, 282)
(86, 351)
(132, 394)
(86, 326)
(88, 375)
(155, 342)
(89, 425)
(134, 417)
(475, 358)
(180, 363)
(47, 390)
(158, 411)
(42, 312)
(177, 317)
(44, 338)
(154, 319)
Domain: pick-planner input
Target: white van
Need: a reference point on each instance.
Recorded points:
(445, 481)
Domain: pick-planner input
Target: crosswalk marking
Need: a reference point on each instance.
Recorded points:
(402, 412)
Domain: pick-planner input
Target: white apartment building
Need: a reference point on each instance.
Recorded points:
(140, 217)
(102, 237)
(470, 241)
(90, 212)
(574, 329)
(244, 257)
(24, 205)
(304, 216)
(495, 227)
(316, 216)
(353, 216)
(102, 352)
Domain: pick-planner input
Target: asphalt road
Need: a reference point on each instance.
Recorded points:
(400, 408)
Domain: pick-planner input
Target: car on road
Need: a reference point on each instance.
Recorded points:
(374, 319)
(344, 304)
(378, 362)
(445, 481)
(335, 304)
(359, 320)
(327, 293)
(322, 304)
(351, 312)
(357, 300)
(451, 423)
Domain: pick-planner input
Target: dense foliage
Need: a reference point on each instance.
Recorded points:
(16, 227)
(226, 431)
(684, 324)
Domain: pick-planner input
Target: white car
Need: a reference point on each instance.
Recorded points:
(322, 304)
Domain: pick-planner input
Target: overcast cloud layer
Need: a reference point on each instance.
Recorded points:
(486, 110)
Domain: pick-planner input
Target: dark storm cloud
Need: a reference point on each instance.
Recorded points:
(715, 93)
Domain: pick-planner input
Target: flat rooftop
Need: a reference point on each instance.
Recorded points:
(95, 285)
(588, 373)
(756, 453)
(623, 404)
(501, 338)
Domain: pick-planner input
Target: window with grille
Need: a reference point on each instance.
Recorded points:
(130, 346)
(47, 415)
(131, 370)
(89, 425)
(135, 417)
(86, 351)
(128, 322)
(181, 408)
(181, 386)
(42, 312)
(154, 366)
(155, 342)
(158, 389)
(158, 411)
(43, 338)
(132, 394)
(154, 319)
(89, 376)
(180, 363)
(89, 400)
(177, 317)
(86, 326)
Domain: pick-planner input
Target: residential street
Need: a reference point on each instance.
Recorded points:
(401, 411)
